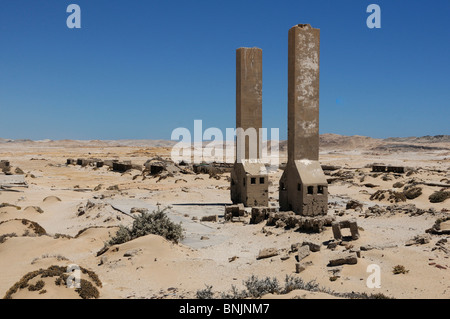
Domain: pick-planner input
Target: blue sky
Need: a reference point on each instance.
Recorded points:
(139, 69)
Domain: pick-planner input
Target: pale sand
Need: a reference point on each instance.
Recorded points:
(157, 264)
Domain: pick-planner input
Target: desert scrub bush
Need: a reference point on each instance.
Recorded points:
(259, 287)
(122, 236)
(399, 269)
(205, 293)
(295, 283)
(412, 192)
(5, 236)
(398, 185)
(439, 196)
(34, 226)
(86, 291)
(156, 223)
(393, 197)
(37, 286)
(256, 288)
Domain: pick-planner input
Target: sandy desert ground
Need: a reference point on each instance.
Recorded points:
(68, 212)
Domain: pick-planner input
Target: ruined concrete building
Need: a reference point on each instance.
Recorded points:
(303, 185)
(249, 179)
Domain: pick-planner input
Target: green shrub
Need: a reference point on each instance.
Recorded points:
(156, 223)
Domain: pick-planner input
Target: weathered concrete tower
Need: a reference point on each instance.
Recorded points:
(303, 185)
(249, 182)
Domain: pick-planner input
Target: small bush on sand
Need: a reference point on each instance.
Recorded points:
(256, 288)
(86, 291)
(156, 223)
(399, 269)
(37, 286)
(412, 192)
(439, 196)
(205, 293)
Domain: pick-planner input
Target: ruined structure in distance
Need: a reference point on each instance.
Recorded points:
(249, 179)
(303, 185)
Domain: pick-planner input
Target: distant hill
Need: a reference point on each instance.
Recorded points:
(423, 139)
(327, 142)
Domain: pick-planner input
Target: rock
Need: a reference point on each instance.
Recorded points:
(259, 214)
(234, 211)
(336, 231)
(130, 253)
(303, 252)
(285, 257)
(102, 251)
(441, 227)
(204, 238)
(211, 218)
(299, 268)
(354, 204)
(343, 260)
(231, 259)
(267, 253)
(336, 227)
(332, 245)
(103, 260)
(445, 227)
(295, 247)
(314, 247)
(419, 240)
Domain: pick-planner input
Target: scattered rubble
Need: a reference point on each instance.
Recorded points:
(291, 220)
(350, 259)
(212, 218)
(419, 240)
(267, 253)
(441, 227)
(338, 225)
(234, 212)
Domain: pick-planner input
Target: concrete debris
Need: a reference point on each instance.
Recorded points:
(351, 259)
(267, 253)
(337, 226)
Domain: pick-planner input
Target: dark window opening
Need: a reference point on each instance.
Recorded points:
(299, 187)
(244, 181)
(319, 189)
(261, 180)
(310, 190)
(232, 182)
(253, 180)
(282, 186)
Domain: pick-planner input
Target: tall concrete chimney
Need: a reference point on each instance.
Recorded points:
(248, 102)
(249, 181)
(303, 185)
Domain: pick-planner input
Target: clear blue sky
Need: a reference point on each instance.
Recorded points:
(139, 69)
